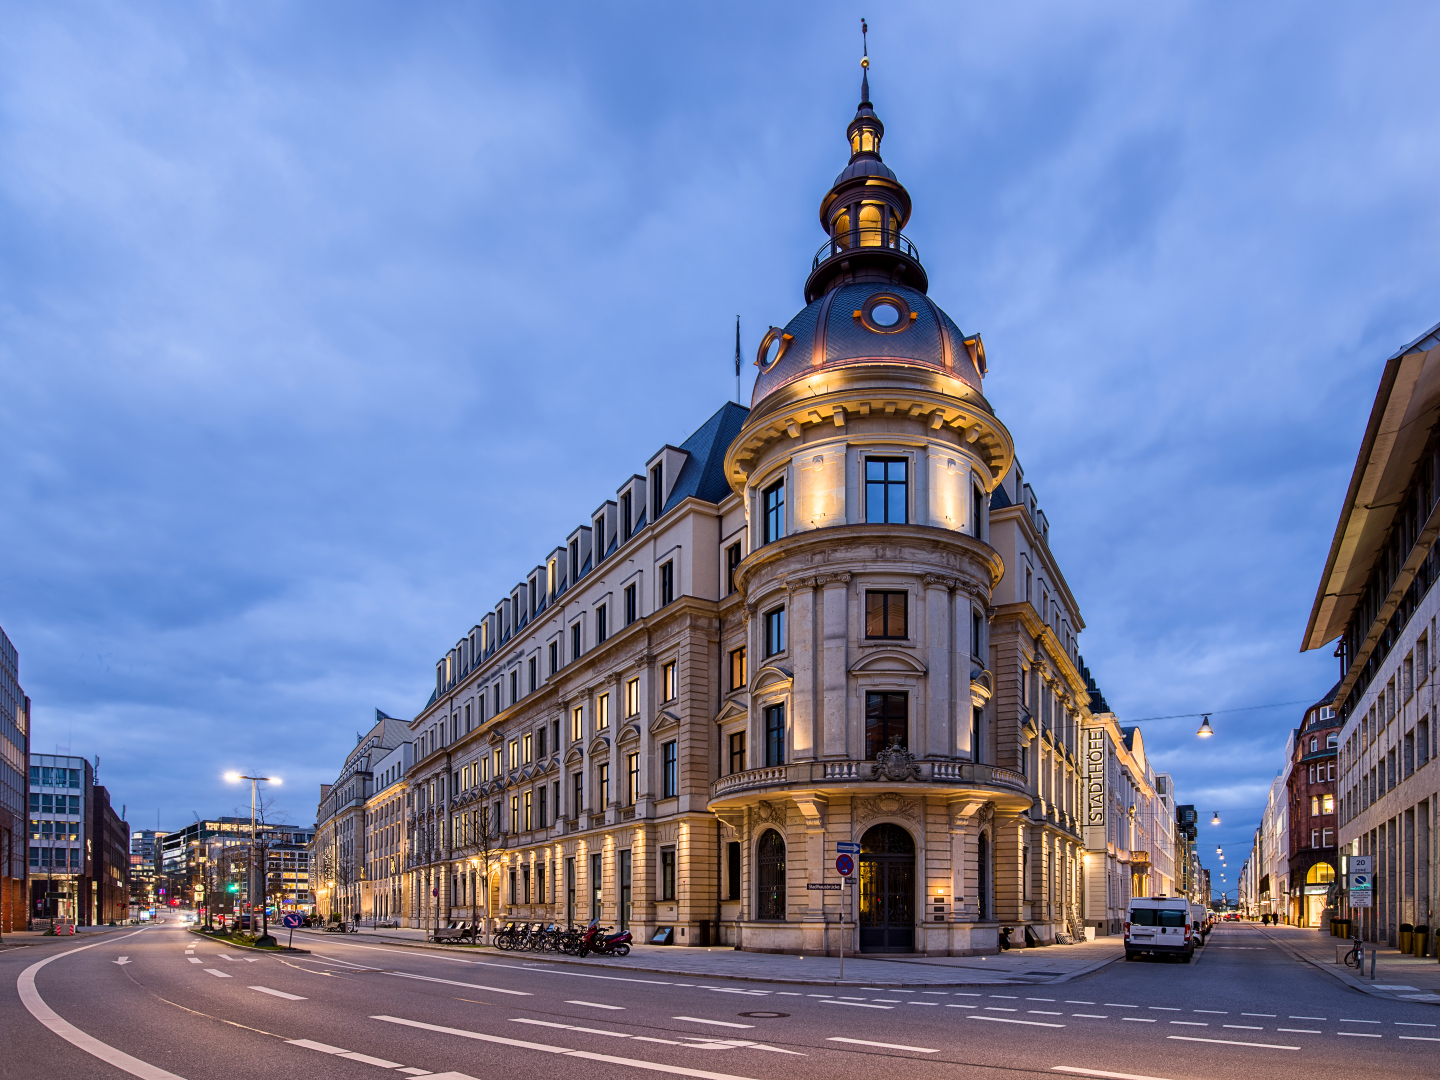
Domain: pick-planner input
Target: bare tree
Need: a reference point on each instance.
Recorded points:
(488, 840)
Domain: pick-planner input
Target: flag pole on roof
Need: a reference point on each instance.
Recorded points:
(737, 359)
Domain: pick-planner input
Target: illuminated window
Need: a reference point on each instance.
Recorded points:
(632, 697)
(602, 712)
(669, 681)
(577, 724)
(738, 677)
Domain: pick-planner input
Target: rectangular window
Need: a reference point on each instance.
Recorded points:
(540, 742)
(627, 521)
(514, 686)
(596, 884)
(534, 674)
(977, 623)
(737, 752)
(575, 642)
(1327, 837)
(885, 490)
(632, 698)
(774, 735)
(773, 520)
(977, 514)
(526, 808)
(667, 583)
(599, 535)
(527, 748)
(732, 563)
(554, 657)
(667, 874)
(774, 632)
(657, 491)
(670, 769)
(602, 624)
(1314, 799)
(631, 612)
(632, 778)
(577, 724)
(1314, 838)
(514, 813)
(1327, 805)
(732, 859)
(542, 807)
(885, 614)
(669, 682)
(602, 784)
(738, 677)
(514, 754)
(886, 720)
(578, 781)
(602, 712)
(525, 881)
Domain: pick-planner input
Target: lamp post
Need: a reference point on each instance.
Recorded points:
(264, 938)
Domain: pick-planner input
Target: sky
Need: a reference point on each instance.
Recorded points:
(322, 323)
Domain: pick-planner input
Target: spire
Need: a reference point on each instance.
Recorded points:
(737, 359)
(864, 64)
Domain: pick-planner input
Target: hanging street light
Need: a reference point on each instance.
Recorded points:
(1216, 819)
(1205, 730)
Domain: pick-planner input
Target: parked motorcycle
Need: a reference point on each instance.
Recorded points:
(601, 942)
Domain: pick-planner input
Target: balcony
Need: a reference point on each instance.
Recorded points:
(830, 773)
(860, 248)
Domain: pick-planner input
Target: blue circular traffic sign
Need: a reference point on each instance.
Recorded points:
(844, 865)
(291, 919)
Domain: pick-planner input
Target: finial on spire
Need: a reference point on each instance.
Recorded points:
(864, 63)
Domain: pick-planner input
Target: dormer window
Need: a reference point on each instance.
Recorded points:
(550, 577)
(599, 537)
(657, 490)
(626, 519)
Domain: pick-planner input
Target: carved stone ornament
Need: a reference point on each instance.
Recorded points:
(887, 805)
(895, 763)
(766, 811)
(986, 815)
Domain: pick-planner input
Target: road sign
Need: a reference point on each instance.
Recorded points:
(844, 865)
(1361, 881)
(845, 847)
(1362, 864)
(292, 919)
(850, 881)
(1362, 898)
(823, 886)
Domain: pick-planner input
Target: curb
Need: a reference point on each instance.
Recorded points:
(544, 958)
(249, 948)
(1342, 976)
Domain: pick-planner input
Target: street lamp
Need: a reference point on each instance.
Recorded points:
(1216, 819)
(1205, 730)
(264, 938)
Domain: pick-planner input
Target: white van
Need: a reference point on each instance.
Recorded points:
(1160, 925)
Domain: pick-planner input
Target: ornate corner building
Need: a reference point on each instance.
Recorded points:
(833, 618)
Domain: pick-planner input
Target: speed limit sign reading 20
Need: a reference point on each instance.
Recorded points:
(844, 865)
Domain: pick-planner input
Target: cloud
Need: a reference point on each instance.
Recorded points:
(321, 324)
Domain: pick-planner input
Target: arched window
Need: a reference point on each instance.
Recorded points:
(770, 876)
(1322, 873)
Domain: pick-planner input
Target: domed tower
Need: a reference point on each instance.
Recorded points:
(866, 467)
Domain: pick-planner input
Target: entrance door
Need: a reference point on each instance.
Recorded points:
(887, 890)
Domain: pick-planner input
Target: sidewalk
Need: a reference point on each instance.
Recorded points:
(1041, 966)
(1397, 976)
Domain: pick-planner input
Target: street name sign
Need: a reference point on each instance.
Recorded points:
(823, 886)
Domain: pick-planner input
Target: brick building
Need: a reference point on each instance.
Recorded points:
(1313, 826)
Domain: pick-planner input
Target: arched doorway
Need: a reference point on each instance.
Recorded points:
(1317, 889)
(887, 890)
(770, 876)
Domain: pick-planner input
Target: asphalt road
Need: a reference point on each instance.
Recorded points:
(183, 1006)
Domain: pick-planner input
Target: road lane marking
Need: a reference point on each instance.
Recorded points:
(1117, 1005)
(1419, 1038)
(1073, 1001)
(1230, 1042)
(952, 1005)
(1190, 1023)
(1360, 1034)
(1043, 1012)
(1300, 1031)
(279, 993)
(1164, 1008)
(1271, 1015)
(883, 1045)
(1039, 999)
(717, 1023)
(1007, 997)
(596, 1005)
(1213, 1012)
(857, 1004)
(1404, 1023)
(217, 973)
(35, 1005)
(932, 1004)
(452, 982)
(1243, 1027)
(1090, 1016)
(1307, 1018)
(311, 1044)
(1013, 1020)
(195, 960)
(1344, 1021)
(1000, 1008)
(545, 1048)
(1140, 1019)
(570, 1027)
(890, 1001)
(1102, 1072)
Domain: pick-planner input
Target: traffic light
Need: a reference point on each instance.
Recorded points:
(234, 886)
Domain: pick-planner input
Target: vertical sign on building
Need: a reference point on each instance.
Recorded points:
(1095, 788)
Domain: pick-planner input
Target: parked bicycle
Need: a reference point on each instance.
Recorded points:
(1355, 958)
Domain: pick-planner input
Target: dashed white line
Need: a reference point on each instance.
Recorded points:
(1300, 1031)
(1090, 1016)
(596, 1005)
(217, 973)
(1271, 1015)
(1013, 1020)
(1117, 1005)
(1102, 1072)
(1419, 1038)
(1404, 1023)
(952, 1005)
(883, 1045)
(1213, 1012)
(1243, 1027)
(1043, 1012)
(195, 960)
(1344, 1021)
(717, 1023)
(1360, 1034)
(1139, 1019)
(1231, 1042)
(856, 1004)
(279, 993)
(1307, 1018)
(1190, 1023)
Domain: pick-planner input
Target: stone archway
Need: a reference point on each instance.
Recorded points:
(887, 890)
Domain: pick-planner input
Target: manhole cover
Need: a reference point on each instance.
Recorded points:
(764, 1015)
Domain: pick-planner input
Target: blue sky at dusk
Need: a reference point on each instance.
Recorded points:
(321, 324)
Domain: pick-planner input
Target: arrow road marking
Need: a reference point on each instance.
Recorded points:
(122, 961)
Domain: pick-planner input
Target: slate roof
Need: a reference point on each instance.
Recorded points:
(703, 475)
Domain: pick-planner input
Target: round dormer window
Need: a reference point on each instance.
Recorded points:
(885, 313)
